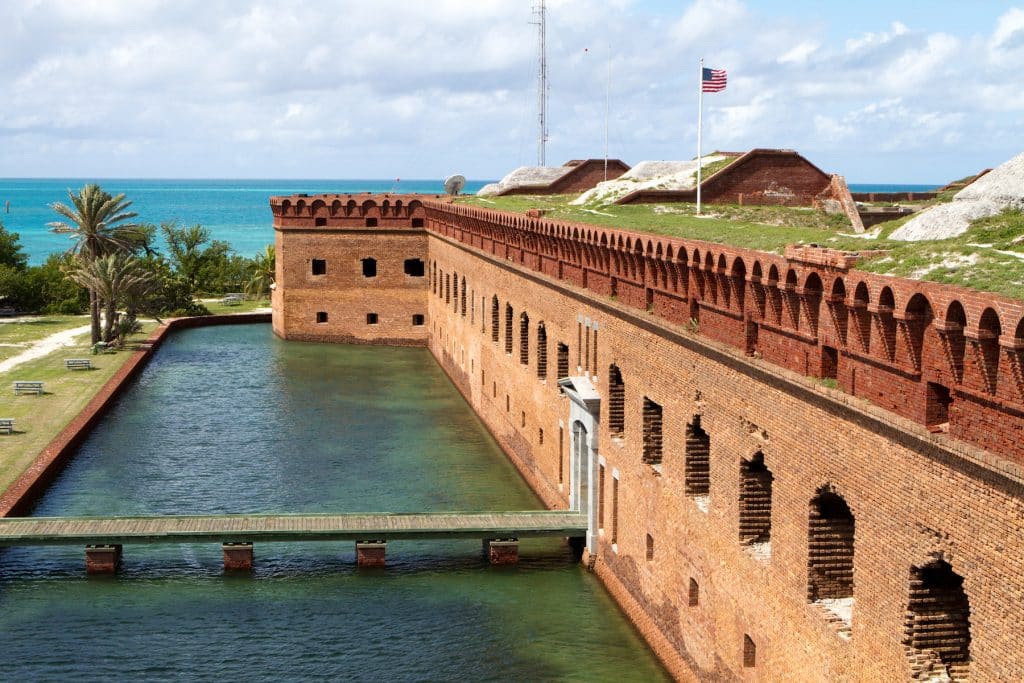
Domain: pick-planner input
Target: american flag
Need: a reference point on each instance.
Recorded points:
(713, 80)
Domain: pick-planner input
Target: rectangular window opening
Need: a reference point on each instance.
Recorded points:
(321, 316)
(694, 596)
(650, 548)
(414, 267)
(652, 432)
(319, 266)
(371, 318)
(418, 319)
(371, 222)
(417, 222)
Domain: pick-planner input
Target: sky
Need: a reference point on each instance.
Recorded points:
(900, 92)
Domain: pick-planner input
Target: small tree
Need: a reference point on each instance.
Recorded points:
(114, 278)
(262, 273)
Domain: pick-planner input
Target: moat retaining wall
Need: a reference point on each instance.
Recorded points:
(755, 525)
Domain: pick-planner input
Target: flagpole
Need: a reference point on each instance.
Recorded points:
(700, 114)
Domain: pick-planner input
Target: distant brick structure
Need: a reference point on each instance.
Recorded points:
(580, 175)
(761, 176)
(802, 471)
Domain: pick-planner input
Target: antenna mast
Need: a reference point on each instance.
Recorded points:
(542, 82)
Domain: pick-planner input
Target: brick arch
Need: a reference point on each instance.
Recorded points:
(336, 207)
(885, 323)
(918, 316)
(774, 296)
(831, 535)
(812, 294)
(987, 345)
(286, 206)
(300, 207)
(837, 309)
(318, 207)
(955, 341)
(757, 288)
(861, 317)
(369, 206)
(792, 299)
(937, 626)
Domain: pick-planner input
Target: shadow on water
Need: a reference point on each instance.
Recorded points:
(230, 420)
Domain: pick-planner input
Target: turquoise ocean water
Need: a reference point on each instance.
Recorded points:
(236, 211)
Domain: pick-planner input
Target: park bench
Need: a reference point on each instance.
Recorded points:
(28, 388)
(233, 299)
(6, 425)
(7, 312)
(78, 364)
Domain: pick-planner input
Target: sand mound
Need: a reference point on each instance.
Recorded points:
(647, 175)
(525, 177)
(1002, 187)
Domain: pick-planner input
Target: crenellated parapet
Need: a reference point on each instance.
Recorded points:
(947, 357)
(302, 211)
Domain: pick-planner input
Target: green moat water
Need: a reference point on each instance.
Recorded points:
(230, 419)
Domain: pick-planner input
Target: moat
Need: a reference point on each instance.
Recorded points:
(230, 419)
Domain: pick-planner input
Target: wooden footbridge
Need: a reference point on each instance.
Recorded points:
(104, 537)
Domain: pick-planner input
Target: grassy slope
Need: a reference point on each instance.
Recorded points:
(38, 419)
(771, 228)
(247, 306)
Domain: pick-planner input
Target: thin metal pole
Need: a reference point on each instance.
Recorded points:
(542, 84)
(700, 113)
(607, 100)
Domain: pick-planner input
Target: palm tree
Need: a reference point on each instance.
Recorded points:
(114, 278)
(263, 273)
(99, 224)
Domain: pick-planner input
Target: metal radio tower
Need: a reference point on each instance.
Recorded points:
(542, 81)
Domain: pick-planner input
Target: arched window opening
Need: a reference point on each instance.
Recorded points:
(455, 291)
(937, 633)
(830, 539)
(755, 517)
(652, 432)
(495, 326)
(886, 324)
(956, 323)
(918, 320)
(616, 402)
(524, 338)
(698, 460)
(462, 298)
(861, 317)
(447, 288)
(562, 360)
(508, 328)
(542, 351)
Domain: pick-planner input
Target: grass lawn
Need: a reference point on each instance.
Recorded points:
(247, 306)
(24, 333)
(38, 419)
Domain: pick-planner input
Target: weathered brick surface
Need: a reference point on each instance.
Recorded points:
(916, 498)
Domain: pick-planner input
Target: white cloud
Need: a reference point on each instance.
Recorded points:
(348, 87)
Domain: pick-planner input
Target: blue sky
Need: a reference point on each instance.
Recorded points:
(878, 91)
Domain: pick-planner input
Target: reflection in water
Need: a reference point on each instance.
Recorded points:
(231, 419)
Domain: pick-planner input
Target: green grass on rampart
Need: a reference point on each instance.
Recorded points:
(17, 335)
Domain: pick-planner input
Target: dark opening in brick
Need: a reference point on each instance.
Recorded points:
(652, 432)
(749, 652)
(319, 221)
(524, 338)
(615, 510)
(542, 351)
(829, 362)
(937, 633)
(508, 403)
(417, 222)
(455, 290)
(522, 421)
(447, 288)
(321, 316)
(319, 266)
(508, 328)
(698, 459)
(561, 455)
(369, 267)
(755, 501)
(937, 401)
(830, 538)
(595, 351)
(371, 318)
(616, 401)
(494, 319)
(562, 360)
(414, 267)
(417, 319)
(650, 548)
(989, 331)
(462, 298)
(540, 436)
(693, 598)
(600, 496)
(371, 222)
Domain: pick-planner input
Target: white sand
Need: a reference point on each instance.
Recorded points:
(1001, 188)
(647, 175)
(44, 346)
(525, 177)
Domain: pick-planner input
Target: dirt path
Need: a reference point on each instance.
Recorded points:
(44, 346)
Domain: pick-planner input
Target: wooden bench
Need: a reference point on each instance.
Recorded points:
(6, 425)
(78, 364)
(28, 388)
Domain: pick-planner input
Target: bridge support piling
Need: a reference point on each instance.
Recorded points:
(102, 559)
(371, 553)
(237, 556)
(501, 550)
